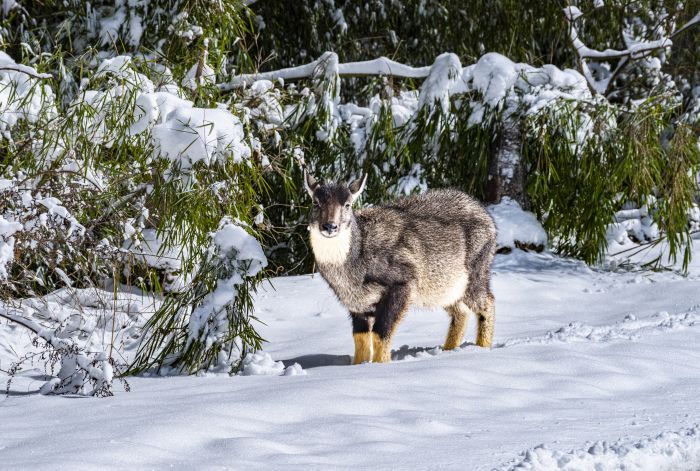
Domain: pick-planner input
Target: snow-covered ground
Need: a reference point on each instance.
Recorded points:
(590, 370)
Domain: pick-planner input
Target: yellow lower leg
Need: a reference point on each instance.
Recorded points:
(382, 349)
(458, 324)
(486, 317)
(363, 348)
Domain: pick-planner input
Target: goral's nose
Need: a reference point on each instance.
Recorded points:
(330, 227)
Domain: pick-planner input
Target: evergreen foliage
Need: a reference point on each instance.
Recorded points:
(87, 179)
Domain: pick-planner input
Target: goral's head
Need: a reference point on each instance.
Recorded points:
(332, 205)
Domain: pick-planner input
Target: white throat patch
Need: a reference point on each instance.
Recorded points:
(330, 250)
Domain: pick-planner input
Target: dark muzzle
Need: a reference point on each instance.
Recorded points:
(330, 227)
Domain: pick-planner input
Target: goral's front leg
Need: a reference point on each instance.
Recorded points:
(361, 335)
(389, 312)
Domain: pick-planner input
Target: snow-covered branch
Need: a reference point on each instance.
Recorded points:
(382, 66)
(26, 70)
(288, 74)
(376, 67)
(635, 50)
(7, 64)
(693, 21)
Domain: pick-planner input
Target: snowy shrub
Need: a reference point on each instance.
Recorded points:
(122, 184)
(212, 327)
(169, 31)
(72, 370)
(636, 156)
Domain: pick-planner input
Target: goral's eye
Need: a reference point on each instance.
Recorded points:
(315, 204)
(347, 205)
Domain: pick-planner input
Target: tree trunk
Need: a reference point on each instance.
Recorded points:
(506, 168)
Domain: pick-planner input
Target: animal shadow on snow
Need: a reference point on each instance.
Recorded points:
(411, 352)
(318, 359)
(321, 359)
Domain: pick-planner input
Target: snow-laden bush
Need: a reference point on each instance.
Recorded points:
(123, 184)
(84, 338)
(170, 32)
(211, 328)
(629, 157)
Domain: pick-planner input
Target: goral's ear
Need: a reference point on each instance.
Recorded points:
(357, 187)
(310, 183)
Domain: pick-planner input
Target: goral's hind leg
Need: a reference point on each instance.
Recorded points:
(486, 317)
(459, 313)
(363, 340)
